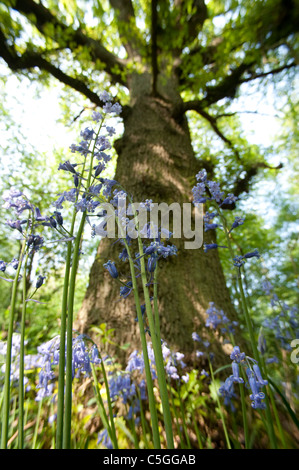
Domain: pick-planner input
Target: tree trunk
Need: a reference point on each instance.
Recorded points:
(156, 161)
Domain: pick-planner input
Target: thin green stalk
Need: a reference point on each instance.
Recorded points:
(196, 430)
(237, 444)
(114, 438)
(37, 423)
(101, 408)
(21, 363)
(61, 371)
(156, 309)
(156, 341)
(69, 346)
(274, 408)
(134, 434)
(244, 414)
(142, 418)
(256, 355)
(183, 418)
(6, 400)
(149, 380)
(66, 441)
(176, 418)
(243, 403)
(220, 409)
(63, 323)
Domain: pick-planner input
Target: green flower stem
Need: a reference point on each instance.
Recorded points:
(39, 410)
(156, 309)
(69, 345)
(70, 294)
(220, 409)
(101, 408)
(274, 408)
(178, 427)
(113, 431)
(6, 399)
(243, 403)
(142, 418)
(149, 380)
(61, 372)
(244, 414)
(156, 341)
(256, 355)
(197, 432)
(183, 414)
(21, 364)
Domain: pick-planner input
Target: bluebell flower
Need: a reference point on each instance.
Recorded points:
(123, 256)
(261, 343)
(105, 96)
(211, 226)
(252, 254)
(196, 337)
(215, 191)
(110, 130)
(229, 199)
(35, 242)
(126, 290)
(110, 266)
(212, 246)
(237, 222)
(67, 166)
(96, 116)
(237, 356)
(238, 261)
(87, 134)
(3, 266)
(16, 224)
(272, 360)
(204, 373)
(40, 281)
(14, 263)
(58, 217)
(256, 397)
(185, 378)
(235, 368)
(258, 375)
(199, 354)
(103, 438)
(267, 287)
(135, 362)
(151, 263)
(226, 390)
(199, 196)
(201, 175)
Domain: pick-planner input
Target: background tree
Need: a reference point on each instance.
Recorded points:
(164, 61)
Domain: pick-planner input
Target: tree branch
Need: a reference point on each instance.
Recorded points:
(193, 20)
(228, 87)
(126, 18)
(254, 76)
(31, 59)
(213, 121)
(71, 38)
